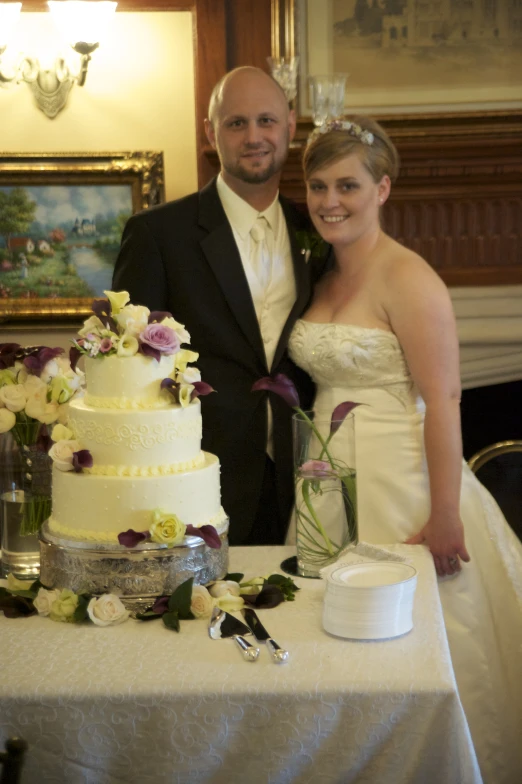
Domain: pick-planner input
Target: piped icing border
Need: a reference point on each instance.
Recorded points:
(157, 470)
(219, 521)
(133, 437)
(127, 403)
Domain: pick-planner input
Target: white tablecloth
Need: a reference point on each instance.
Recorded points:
(140, 703)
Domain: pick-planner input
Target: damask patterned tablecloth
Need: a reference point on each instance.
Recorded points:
(140, 703)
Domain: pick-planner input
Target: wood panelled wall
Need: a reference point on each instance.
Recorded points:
(458, 200)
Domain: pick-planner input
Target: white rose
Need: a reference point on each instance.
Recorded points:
(133, 319)
(35, 387)
(230, 603)
(128, 345)
(45, 599)
(13, 397)
(201, 603)
(107, 610)
(191, 375)
(61, 454)
(221, 587)
(7, 420)
(47, 413)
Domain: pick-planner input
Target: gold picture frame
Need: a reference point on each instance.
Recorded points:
(61, 216)
(289, 20)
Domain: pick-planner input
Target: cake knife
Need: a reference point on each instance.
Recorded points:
(260, 633)
(223, 625)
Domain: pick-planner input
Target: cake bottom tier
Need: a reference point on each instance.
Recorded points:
(94, 508)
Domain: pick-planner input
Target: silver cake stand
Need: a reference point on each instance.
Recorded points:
(137, 575)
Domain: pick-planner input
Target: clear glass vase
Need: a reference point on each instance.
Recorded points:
(325, 490)
(25, 484)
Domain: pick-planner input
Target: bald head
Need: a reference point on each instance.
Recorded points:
(236, 81)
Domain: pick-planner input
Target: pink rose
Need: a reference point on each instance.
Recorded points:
(160, 338)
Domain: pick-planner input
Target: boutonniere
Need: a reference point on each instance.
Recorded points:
(312, 245)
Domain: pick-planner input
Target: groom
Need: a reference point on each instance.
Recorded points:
(226, 262)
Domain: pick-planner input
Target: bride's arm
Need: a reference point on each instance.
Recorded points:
(421, 315)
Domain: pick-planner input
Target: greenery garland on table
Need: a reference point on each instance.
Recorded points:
(189, 601)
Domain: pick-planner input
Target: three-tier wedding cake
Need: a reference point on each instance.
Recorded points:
(128, 469)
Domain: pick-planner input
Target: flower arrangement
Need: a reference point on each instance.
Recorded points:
(312, 245)
(36, 386)
(167, 529)
(313, 476)
(188, 602)
(118, 328)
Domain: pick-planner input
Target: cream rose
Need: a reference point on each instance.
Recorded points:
(118, 300)
(45, 600)
(47, 413)
(7, 420)
(61, 433)
(133, 319)
(14, 397)
(61, 454)
(201, 603)
(222, 587)
(107, 610)
(64, 607)
(166, 528)
(191, 375)
(229, 603)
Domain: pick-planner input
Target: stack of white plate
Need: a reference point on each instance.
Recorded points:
(370, 601)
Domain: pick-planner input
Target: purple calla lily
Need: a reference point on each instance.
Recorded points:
(339, 414)
(131, 538)
(36, 362)
(161, 605)
(201, 388)
(171, 386)
(281, 385)
(208, 533)
(316, 469)
(158, 316)
(74, 356)
(102, 309)
(82, 459)
(8, 353)
(148, 351)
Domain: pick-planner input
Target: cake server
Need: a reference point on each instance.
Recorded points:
(260, 633)
(223, 625)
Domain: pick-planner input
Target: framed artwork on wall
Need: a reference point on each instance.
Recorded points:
(403, 57)
(61, 220)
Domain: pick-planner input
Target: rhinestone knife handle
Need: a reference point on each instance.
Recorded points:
(278, 654)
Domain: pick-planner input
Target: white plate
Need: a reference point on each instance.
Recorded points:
(373, 574)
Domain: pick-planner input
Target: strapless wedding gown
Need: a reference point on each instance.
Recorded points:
(483, 604)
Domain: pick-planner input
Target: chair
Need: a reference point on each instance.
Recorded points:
(499, 468)
(12, 760)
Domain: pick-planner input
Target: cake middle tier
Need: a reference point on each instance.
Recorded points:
(139, 443)
(98, 508)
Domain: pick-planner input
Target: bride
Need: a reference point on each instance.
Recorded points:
(380, 331)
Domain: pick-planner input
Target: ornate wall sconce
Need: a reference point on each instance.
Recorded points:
(82, 24)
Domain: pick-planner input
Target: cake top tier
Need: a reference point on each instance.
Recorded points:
(134, 357)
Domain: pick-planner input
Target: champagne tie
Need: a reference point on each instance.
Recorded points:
(261, 255)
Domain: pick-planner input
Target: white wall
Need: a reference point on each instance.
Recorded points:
(139, 95)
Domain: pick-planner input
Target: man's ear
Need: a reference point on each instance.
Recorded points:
(211, 136)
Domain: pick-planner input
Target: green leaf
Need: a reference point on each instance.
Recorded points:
(286, 584)
(148, 615)
(25, 594)
(234, 576)
(80, 614)
(180, 600)
(171, 620)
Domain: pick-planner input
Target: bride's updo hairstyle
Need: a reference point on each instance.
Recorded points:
(358, 134)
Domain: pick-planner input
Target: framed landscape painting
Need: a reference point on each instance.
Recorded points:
(61, 220)
(403, 57)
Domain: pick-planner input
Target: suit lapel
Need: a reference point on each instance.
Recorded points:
(220, 250)
(303, 280)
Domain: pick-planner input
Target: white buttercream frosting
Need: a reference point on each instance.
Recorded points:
(127, 382)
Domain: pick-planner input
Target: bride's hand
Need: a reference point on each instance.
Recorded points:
(444, 535)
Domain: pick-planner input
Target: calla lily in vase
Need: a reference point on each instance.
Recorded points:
(325, 486)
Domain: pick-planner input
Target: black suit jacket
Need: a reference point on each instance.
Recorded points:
(182, 257)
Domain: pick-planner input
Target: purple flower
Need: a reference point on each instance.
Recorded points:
(200, 389)
(315, 469)
(82, 459)
(339, 414)
(7, 354)
(38, 359)
(281, 385)
(208, 533)
(161, 605)
(158, 315)
(75, 354)
(171, 386)
(105, 345)
(131, 538)
(160, 338)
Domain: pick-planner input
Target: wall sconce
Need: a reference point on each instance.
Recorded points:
(81, 24)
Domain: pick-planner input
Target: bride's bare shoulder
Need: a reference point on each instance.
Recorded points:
(403, 266)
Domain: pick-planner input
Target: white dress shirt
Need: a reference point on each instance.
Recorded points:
(273, 301)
